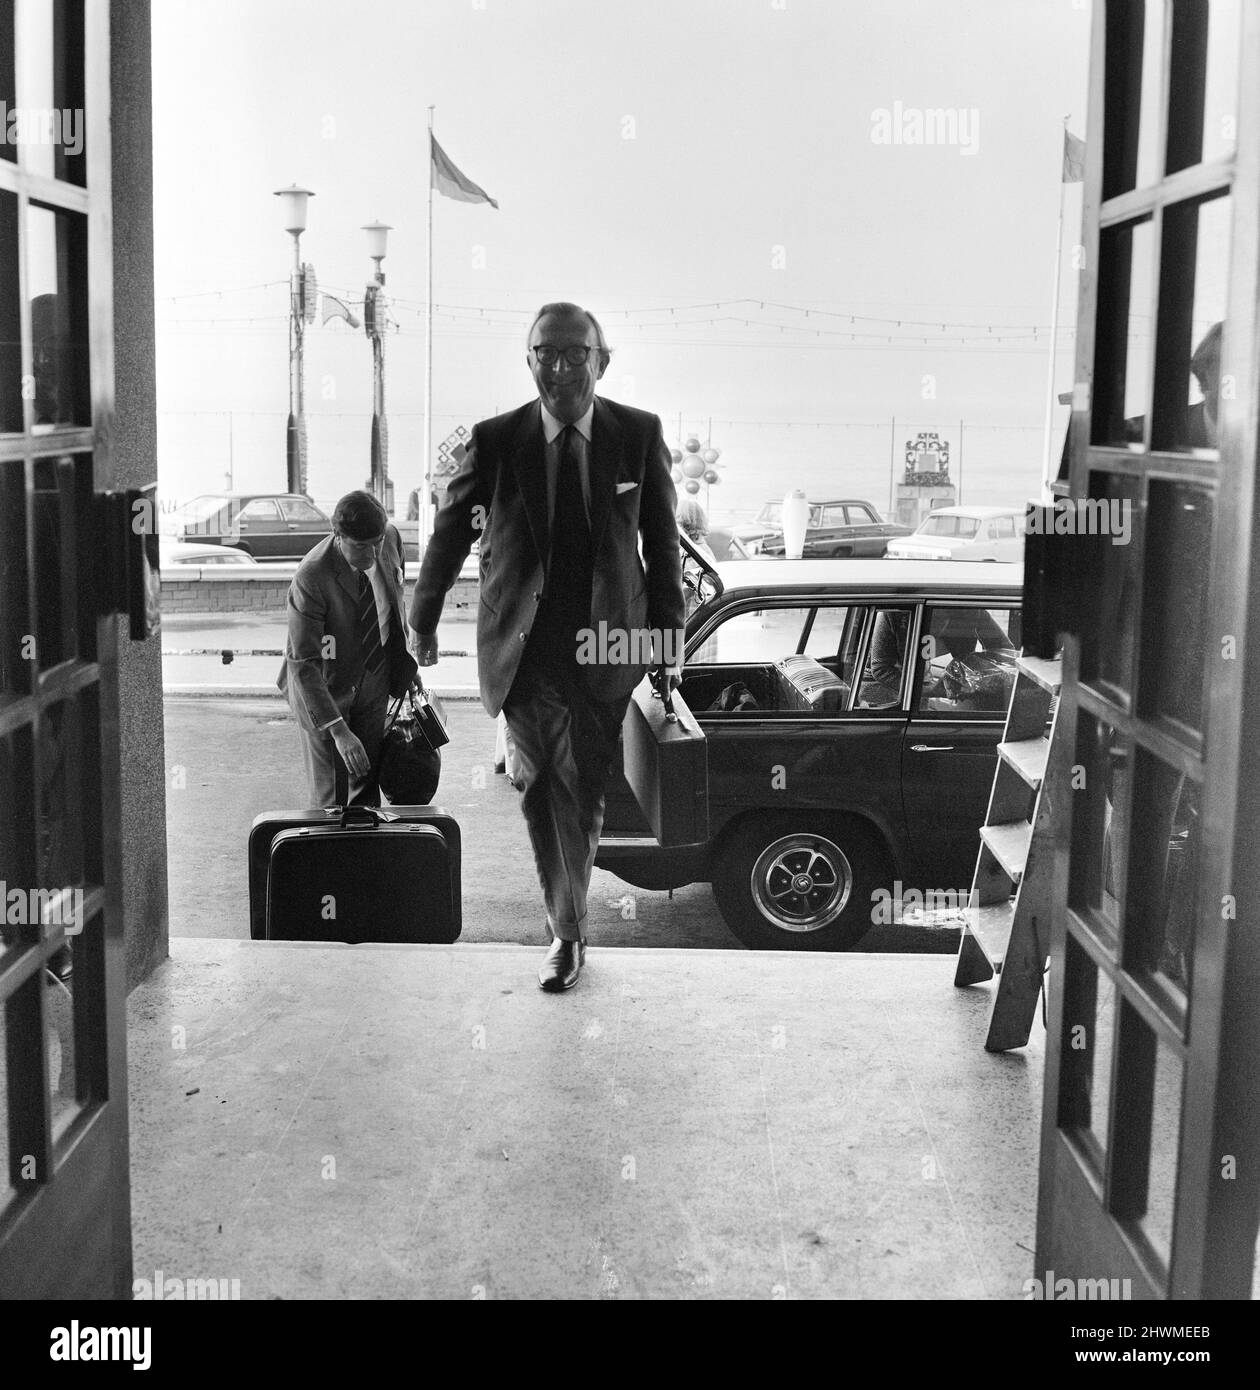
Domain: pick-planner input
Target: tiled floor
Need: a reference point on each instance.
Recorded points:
(385, 1122)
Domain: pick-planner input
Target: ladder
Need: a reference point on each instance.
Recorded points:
(1007, 932)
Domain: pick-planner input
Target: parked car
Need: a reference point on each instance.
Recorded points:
(830, 774)
(268, 526)
(846, 527)
(173, 552)
(965, 533)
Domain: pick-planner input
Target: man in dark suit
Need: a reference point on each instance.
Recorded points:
(572, 500)
(346, 653)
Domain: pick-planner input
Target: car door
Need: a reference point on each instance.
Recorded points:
(867, 532)
(259, 529)
(305, 524)
(949, 746)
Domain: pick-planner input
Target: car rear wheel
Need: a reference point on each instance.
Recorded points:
(798, 883)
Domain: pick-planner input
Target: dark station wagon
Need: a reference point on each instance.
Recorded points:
(847, 527)
(844, 752)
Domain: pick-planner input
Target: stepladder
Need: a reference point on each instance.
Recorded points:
(1007, 927)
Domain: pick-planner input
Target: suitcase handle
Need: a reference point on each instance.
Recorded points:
(364, 815)
(657, 678)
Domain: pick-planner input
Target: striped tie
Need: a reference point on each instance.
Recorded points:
(369, 626)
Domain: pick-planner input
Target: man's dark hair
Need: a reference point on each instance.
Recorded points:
(360, 517)
(564, 310)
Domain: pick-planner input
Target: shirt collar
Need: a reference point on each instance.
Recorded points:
(552, 426)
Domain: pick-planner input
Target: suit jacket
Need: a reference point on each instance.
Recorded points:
(500, 495)
(323, 604)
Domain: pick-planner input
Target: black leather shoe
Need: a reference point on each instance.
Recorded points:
(562, 966)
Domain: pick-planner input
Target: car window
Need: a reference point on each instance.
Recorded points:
(260, 509)
(822, 642)
(949, 526)
(299, 509)
(880, 684)
(758, 636)
(1004, 528)
(967, 659)
(833, 516)
(861, 515)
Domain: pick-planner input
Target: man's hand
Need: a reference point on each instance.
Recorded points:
(351, 748)
(423, 646)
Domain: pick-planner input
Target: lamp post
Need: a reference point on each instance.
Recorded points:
(374, 321)
(293, 207)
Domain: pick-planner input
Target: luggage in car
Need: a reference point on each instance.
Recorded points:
(360, 874)
(666, 764)
(810, 687)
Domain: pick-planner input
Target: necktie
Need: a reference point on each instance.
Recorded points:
(369, 626)
(570, 530)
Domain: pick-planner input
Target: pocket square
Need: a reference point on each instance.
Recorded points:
(625, 487)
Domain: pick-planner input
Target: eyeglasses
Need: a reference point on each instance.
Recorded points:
(548, 355)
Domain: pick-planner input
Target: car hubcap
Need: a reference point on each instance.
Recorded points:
(801, 882)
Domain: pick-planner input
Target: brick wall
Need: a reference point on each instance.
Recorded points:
(190, 589)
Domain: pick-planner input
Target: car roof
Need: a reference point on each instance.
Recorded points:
(983, 512)
(913, 577)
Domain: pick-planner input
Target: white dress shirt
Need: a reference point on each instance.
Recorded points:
(551, 429)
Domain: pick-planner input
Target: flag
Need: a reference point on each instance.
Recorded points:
(1073, 158)
(446, 178)
(334, 309)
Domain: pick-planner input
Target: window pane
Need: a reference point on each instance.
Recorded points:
(880, 685)
(1107, 646)
(49, 45)
(1204, 90)
(1099, 809)
(57, 267)
(1220, 104)
(298, 509)
(260, 510)
(823, 642)
(1193, 280)
(969, 663)
(763, 636)
(10, 316)
(16, 647)
(1157, 1223)
(1174, 633)
(1122, 351)
(1134, 153)
(1159, 928)
(1086, 1047)
(17, 839)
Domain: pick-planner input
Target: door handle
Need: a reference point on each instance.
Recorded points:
(931, 747)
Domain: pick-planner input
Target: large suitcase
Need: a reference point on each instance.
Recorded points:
(363, 874)
(667, 766)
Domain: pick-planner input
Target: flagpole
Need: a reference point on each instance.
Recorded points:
(1054, 334)
(425, 486)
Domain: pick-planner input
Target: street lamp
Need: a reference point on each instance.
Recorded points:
(374, 320)
(293, 202)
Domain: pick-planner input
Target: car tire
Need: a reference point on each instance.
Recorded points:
(840, 857)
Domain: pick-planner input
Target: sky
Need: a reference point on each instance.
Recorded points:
(736, 155)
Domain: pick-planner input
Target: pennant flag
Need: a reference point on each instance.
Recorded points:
(446, 178)
(334, 309)
(1073, 158)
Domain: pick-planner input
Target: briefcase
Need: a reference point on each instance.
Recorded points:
(355, 875)
(666, 764)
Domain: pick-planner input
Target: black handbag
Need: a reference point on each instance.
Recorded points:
(410, 761)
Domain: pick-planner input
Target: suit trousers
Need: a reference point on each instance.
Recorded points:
(365, 717)
(566, 741)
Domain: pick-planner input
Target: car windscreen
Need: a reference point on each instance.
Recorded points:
(949, 526)
(202, 508)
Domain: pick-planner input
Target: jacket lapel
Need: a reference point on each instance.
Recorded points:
(604, 461)
(529, 466)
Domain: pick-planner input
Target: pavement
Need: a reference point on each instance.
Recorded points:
(231, 756)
